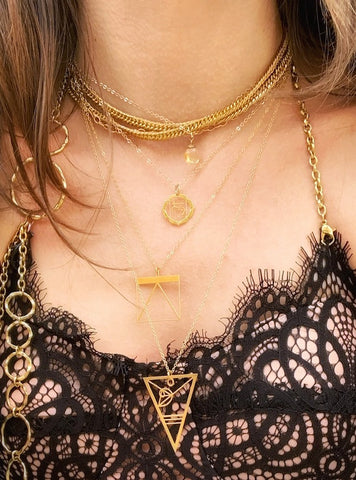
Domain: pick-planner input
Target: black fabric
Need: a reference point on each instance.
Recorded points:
(275, 396)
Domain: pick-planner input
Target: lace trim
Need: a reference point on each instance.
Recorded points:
(275, 398)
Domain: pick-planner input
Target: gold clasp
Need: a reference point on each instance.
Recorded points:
(327, 235)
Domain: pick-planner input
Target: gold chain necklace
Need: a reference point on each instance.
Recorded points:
(116, 120)
(327, 232)
(18, 363)
(191, 155)
(171, 394)
(119, 95)
(178, 208)
(159, 281)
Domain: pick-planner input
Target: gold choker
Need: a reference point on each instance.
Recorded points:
(117, 121)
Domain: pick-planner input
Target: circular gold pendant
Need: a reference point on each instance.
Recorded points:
(178, 209)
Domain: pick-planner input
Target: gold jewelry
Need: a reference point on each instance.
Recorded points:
(122, 97)
(171, 394)
(178, 208)
(158, 282)
(37, 214)
(116, 121)
(327, 232)
(18, 338)
(190, 155)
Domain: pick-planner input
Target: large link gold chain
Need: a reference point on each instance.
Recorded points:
(3, 284)
(18, 363)
(327, 233)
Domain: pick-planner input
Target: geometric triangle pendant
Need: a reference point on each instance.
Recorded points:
(169, 288)
(171, 396)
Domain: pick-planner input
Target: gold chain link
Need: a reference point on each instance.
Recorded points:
(327, 232)
(18, 364)
(3, 283)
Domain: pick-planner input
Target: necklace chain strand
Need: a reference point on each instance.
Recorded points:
(168, 180)
(327, 232)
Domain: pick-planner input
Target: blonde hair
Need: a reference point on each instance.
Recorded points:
(38, 39)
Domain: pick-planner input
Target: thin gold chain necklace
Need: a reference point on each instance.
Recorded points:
(171, 393)
(204, 209)
(116, 120)
(178, 208)
(159, 281)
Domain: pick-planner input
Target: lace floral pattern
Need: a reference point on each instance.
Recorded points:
(275, 397)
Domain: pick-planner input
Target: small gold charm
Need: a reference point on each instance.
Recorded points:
(171, 396)
(191, 154)
(158, 284)
(178, 208)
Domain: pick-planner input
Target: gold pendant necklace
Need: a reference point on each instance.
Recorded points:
(171, 394)
(158, 283)
(167, 392)
(191, 154)
(178, 208)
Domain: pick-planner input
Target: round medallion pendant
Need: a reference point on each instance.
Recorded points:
(178, 209)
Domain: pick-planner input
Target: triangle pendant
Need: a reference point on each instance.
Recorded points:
(171, 396)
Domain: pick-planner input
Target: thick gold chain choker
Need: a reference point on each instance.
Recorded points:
(117, 121)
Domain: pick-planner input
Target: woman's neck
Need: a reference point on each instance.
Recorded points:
(181, 58)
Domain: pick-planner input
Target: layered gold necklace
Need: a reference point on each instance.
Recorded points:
(117, 121)
(177, 208)
(171, 394)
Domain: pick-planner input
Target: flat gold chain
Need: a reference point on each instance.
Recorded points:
(327, 232)
(116, 121)
(18, 364)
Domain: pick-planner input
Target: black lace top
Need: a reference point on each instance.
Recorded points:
(275, 396)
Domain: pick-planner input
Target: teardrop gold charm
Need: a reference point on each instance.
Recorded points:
(191, 154)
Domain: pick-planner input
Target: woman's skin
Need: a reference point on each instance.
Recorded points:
(184, 59)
